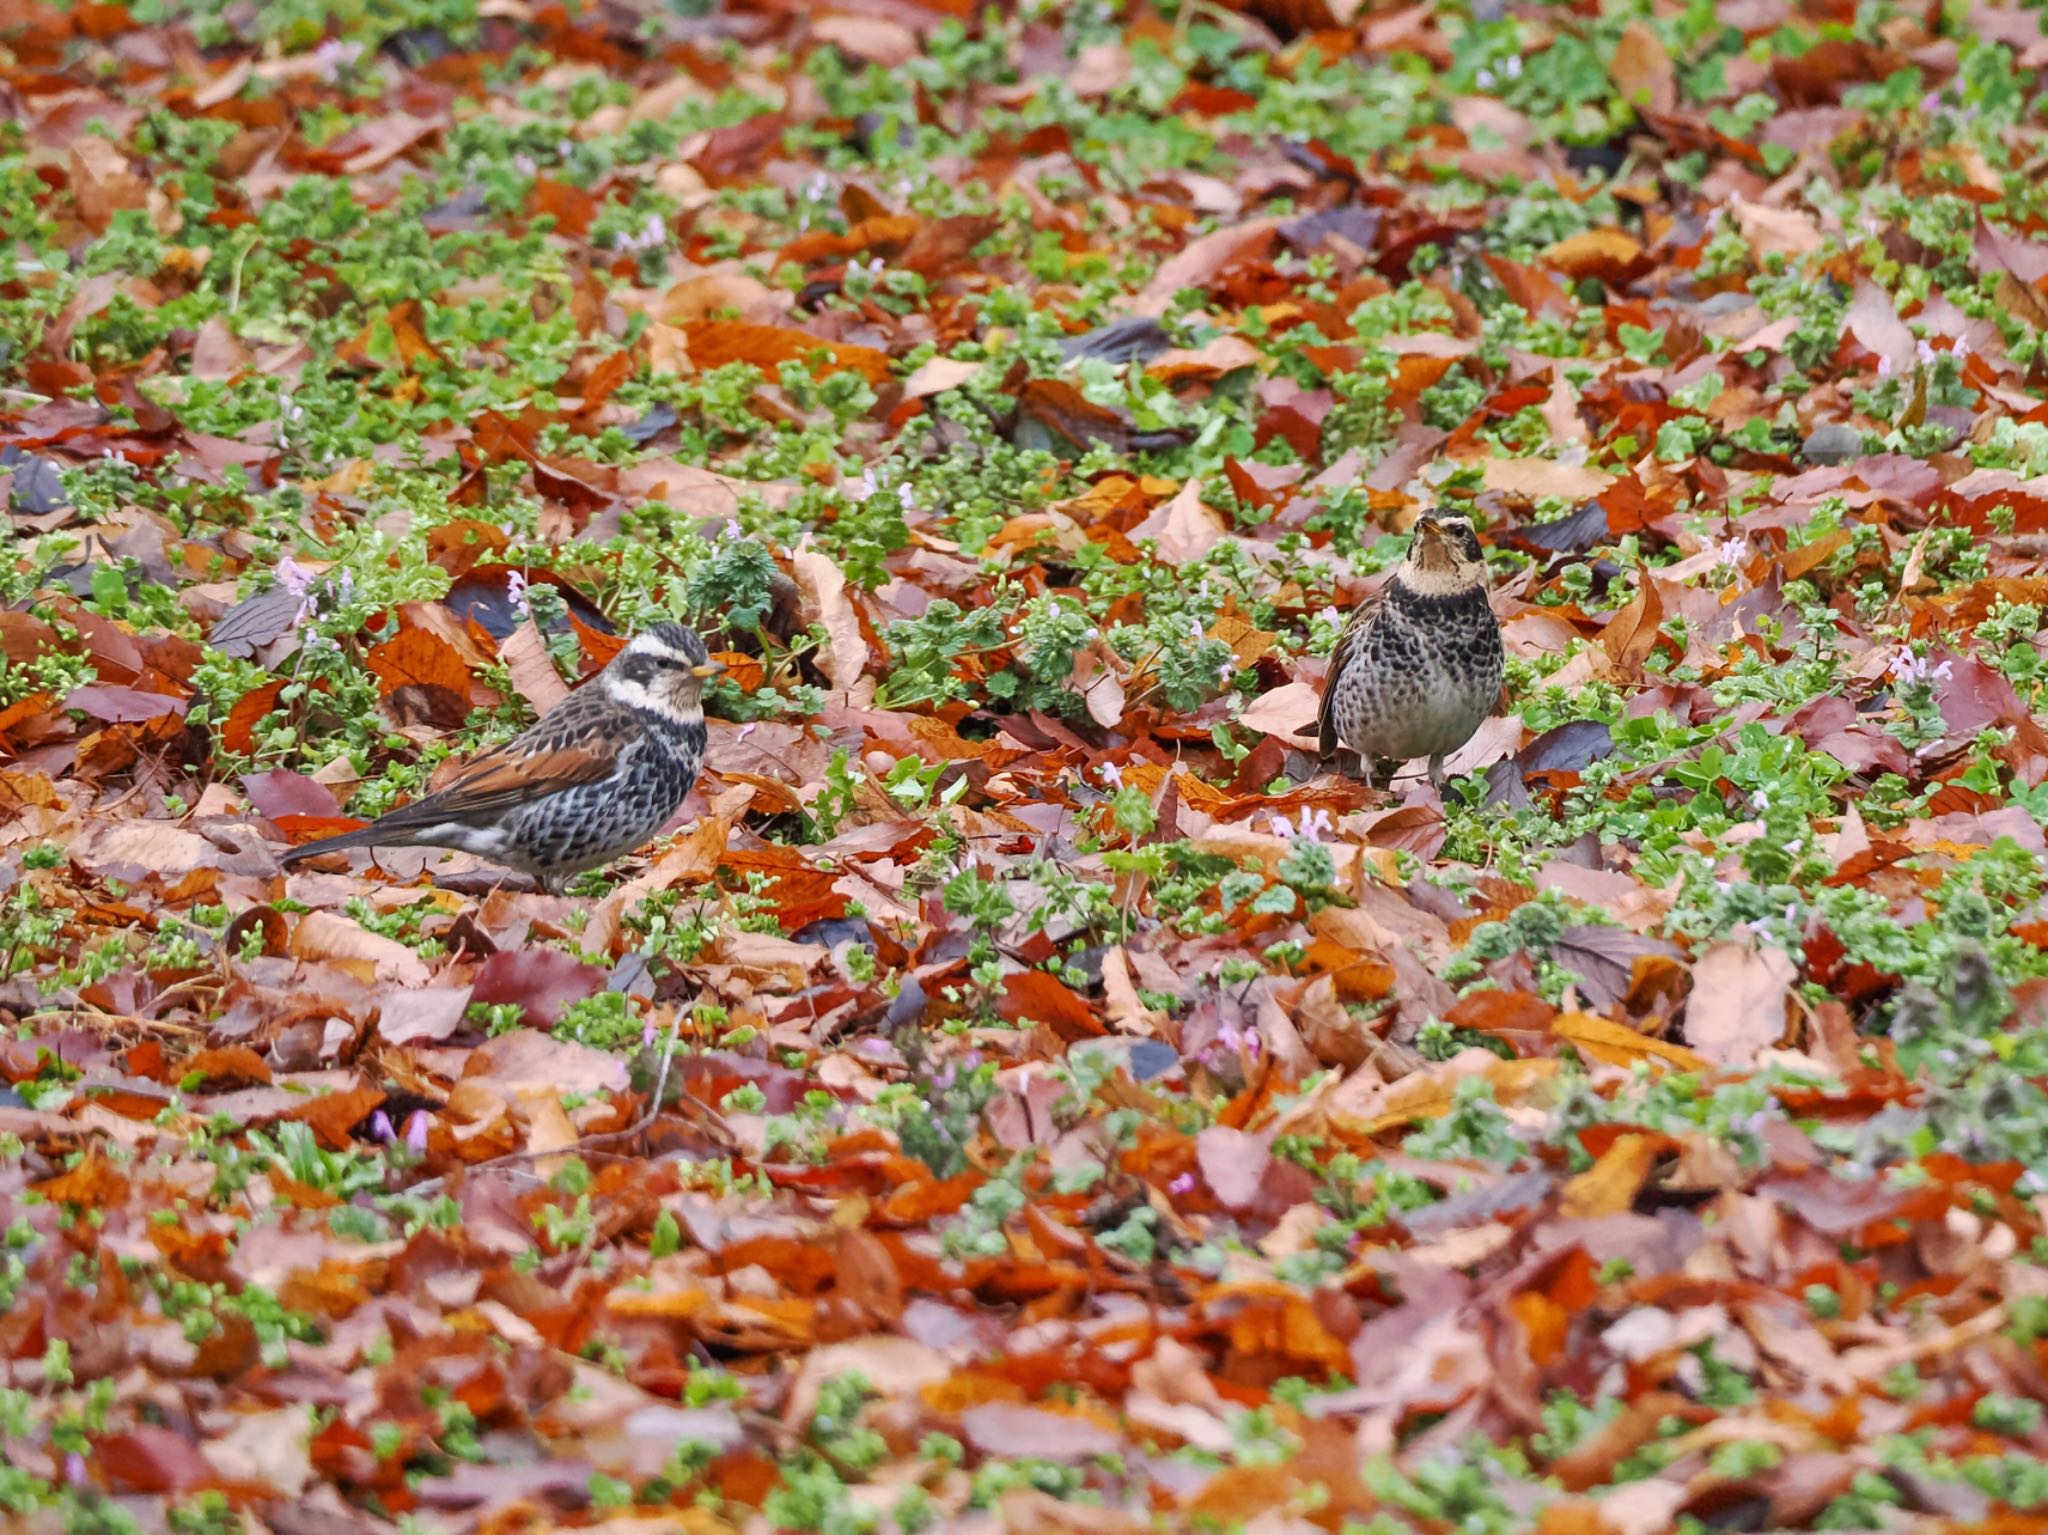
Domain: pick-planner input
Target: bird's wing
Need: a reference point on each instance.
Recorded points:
(1362, 618)
(571, 746)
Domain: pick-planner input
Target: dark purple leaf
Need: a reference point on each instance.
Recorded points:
(285, 793)
(543, 981)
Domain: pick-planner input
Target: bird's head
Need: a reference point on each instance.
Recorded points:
(664, 669)
(1445, 556)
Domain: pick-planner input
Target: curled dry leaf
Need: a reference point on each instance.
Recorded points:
(526, 657)
(824, 586)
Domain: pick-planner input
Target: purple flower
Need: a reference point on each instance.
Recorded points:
(1314, 825)
(647, 1035)
(515, 591)
(1184, 1184)
(416, 1132)
(380, 1128)
(74, 1469)
(1909, 670)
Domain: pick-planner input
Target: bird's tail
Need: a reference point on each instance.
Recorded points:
(362, 836)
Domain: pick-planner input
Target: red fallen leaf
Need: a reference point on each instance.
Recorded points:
(1260, 484)
(1070, 415)
(1997, 251)
(603, 379)
(238, 731)
(802, 894)
(375, 142)
(572, 208)
(599, 647)
(392, 339)
(730, 153)
(227, 1066)
(152, 1459)
(887, 233)
(24, 637)
(310, 828)
(942, 246)
(579, 485)
(542, 981)
(276, 931)
(1972, 696)
(284, 793)
(333, 1117)
(714, 1073)
(418, 658)
(1632, 633)
(1036, 996)
(457, 546)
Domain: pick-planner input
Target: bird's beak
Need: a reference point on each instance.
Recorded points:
(1429, 528)
(708, 669)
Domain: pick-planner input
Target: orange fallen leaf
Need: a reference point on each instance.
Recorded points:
(714, 343)
(1610, 1185)
(416, 657)
(1621, 1046)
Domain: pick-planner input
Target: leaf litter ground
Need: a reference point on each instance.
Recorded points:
(1025, 1090)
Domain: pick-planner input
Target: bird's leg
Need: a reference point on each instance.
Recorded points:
(1365, 769)
(1436, 772)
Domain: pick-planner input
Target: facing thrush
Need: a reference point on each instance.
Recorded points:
(594, 779)
(1419, 664)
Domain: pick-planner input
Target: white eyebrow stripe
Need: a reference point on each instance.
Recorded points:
(647, 645)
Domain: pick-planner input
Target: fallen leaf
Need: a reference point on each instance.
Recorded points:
(1199, 262)
(1643, 69)
(846, 652)
(1737, 1007)
(1540, 478)
(714, 343)
(323, 935)
(1185, 528)
(1288, 711)
(415, 657)
(542, 981)
(526, 657)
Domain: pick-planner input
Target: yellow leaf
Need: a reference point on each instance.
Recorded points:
(1610, 1185)
(1620, 1046)
(672, 1304)
(1430, 1094)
